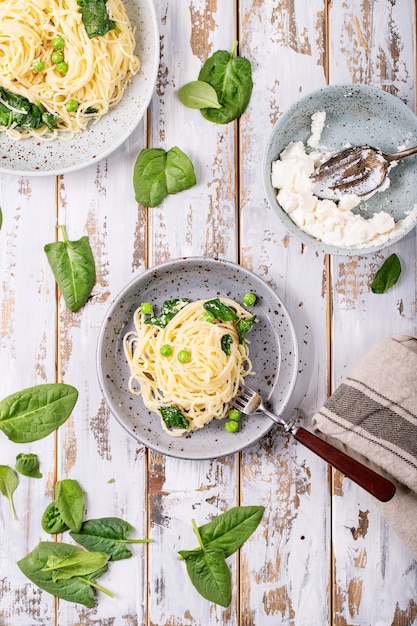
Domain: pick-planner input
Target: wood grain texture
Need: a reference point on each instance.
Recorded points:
(323, 553)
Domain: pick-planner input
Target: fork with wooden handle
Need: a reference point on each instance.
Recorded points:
(248, 401)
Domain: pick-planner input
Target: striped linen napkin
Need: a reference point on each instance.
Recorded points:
(372, 416)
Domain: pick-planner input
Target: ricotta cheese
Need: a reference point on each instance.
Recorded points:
(332, 222)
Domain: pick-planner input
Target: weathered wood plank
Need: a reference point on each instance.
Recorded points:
(375, 44)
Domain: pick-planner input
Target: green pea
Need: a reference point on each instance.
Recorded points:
(208, 317)
(184, 356)
(38, 66)
(166, 349)
(146, 308)
(57, 56)
(62, 68)
(58, 43)
(231, 426)
(249, 299)
(234, 415)
(72, 106)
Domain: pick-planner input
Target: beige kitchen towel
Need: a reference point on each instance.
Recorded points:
(372, 416)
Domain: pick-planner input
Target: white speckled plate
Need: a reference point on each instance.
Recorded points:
(355, 114)
(41, 158)
(273, 350)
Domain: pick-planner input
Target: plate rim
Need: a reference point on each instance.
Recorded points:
(142, 276)
(152, 78)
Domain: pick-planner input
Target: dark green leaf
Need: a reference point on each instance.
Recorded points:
(173, 417)
(96, 18)
(28, 465)
(199, 95)
(74, 269)
(226, 342)
(244, 326)
(70, 499)
(228, 531)
(220, 310)
(74, 589)
(52, 521)
(107, 534)
(168, 310)
(158, 173)
(1, 218)
(387, 275)
(18, 111)
(8, 484)
(231, 77)
(210, 575)
(78, 563)
(37, 411)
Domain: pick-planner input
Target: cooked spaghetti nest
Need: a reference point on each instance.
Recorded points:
(99, 69)
(204, 386)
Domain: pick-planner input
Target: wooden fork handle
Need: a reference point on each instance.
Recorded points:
(373, 483)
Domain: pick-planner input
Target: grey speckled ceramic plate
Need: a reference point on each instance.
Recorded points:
(355, 114)
(41, 158)
(273, 350)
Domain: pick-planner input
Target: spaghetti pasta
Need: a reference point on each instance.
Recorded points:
(98, 71)
(201, 388)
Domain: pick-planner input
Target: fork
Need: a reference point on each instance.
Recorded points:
(248, 402)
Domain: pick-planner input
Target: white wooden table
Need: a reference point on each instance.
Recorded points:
(323, 554)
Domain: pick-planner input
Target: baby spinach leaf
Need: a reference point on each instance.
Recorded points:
(387, 275)
(77, 589)
(173, 417)
(220, 310)
(37, 411)
(95, 17)
(210, 575)
(168, 310)
(199, 95)
(107, 534)
(1, 218)
(244, 326)
(18, 111)
(225, 343)
(70, 499)
(52, 521)
(74, 269)
(78, 563)
(158, 173)
(231, 77)
(8, 484)
(229, 531)
(28, 465)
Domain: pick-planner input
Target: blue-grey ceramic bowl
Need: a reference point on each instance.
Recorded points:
(355, 114)
(273, 351)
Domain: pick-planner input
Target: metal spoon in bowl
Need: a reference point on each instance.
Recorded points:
(357, 170)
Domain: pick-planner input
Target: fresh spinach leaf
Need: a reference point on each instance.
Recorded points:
(37, 411)
(210, 575)
(220, 310)
(18, 112)
(28, 465)
(78, 563)
(8, 484)
(73, 266)
(229, 531)
(52, 521)
(231, 78)
(219, 539)
(77, 589)
(199, 95)
(158, 173)
(173, 417)
(168, 310)
(95, 17)
(387, 275)
(244, 326)
(225, 342)
(70, 500)
(1, 218)
(107, 534)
